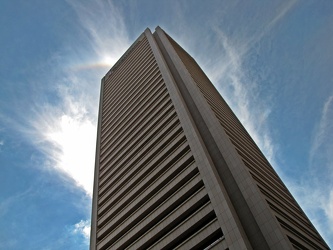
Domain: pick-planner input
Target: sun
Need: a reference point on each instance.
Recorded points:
(108, 60)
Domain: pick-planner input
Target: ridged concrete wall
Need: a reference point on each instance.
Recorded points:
(175, 169)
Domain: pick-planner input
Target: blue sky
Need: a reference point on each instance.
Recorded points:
(272, 62)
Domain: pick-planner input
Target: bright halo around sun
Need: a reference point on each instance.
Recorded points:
(109, 61)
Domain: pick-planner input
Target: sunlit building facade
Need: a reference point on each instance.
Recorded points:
(175, 169)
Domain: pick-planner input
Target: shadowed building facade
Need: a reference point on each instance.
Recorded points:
(175, 169)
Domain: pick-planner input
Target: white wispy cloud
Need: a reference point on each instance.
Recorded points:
(328, 206)
(67, 135)
(314, 190)
(280, 13)
(322, 136)
(240, 93)
(7, 203)
(105, 27)
(2, 142)
(82, 228)
(321, 165)
(66, 130)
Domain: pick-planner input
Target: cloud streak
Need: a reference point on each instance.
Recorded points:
(282, 11)
(240, 93)
(323, 134)
(82, 228)
(321, 164)
(65, 130)
(105, 28)
(314, 189)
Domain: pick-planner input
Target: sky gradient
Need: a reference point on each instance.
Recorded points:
(271, 61)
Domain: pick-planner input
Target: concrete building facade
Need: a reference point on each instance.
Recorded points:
(175, 169)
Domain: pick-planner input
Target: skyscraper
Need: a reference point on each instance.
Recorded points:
(175, 169)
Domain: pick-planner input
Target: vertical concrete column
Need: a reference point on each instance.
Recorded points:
(229, 222)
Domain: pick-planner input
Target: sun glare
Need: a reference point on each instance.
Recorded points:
(108, 60)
